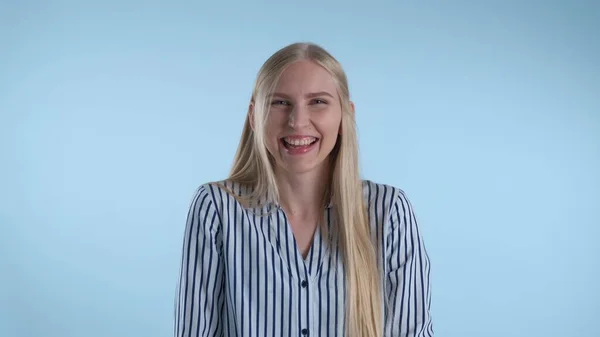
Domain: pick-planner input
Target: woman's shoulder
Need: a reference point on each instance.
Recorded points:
(221, 191)
(381, 195)
(387, 204)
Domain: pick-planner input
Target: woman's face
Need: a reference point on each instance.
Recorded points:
(305, 118)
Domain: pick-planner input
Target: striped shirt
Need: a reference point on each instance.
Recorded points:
(242, 273)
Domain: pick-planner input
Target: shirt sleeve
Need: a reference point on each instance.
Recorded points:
(199, 296)
(408, 298)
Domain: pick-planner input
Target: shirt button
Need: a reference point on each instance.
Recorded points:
(304, 332)
(304, 284)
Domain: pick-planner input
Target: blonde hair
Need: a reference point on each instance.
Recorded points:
(253, 166)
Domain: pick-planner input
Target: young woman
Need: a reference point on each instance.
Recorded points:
(294, 243)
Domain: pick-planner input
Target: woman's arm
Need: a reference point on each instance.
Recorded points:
(407, 285)
(199, 292)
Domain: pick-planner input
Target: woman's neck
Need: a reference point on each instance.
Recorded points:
(301, 195)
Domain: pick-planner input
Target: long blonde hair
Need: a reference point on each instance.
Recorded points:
(253, 166)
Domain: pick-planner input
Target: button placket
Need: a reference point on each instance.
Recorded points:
(305, 296)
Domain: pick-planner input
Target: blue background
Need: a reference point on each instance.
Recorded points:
(487, 113)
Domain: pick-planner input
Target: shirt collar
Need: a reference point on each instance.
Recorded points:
(271, 205)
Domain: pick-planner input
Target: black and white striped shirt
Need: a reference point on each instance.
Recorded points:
(242, 274)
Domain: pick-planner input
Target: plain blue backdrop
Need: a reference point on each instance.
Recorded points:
(486, 113)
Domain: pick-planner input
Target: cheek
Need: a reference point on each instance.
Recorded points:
(331, 126)
(276, 121)
(273, 128)
(271, 139)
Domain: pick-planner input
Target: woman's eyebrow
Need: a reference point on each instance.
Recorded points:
(309, 95)
(317, 94)
(278, 94)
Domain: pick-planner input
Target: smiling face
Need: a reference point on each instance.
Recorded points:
(305, 118)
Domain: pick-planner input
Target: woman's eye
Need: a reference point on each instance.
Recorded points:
(319, 101)
(279, 102)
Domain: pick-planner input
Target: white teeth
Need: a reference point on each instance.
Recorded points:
(299, 141)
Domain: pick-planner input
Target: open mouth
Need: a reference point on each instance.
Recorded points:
(297, 144)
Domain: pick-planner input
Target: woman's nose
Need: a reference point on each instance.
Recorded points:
(298, 117)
